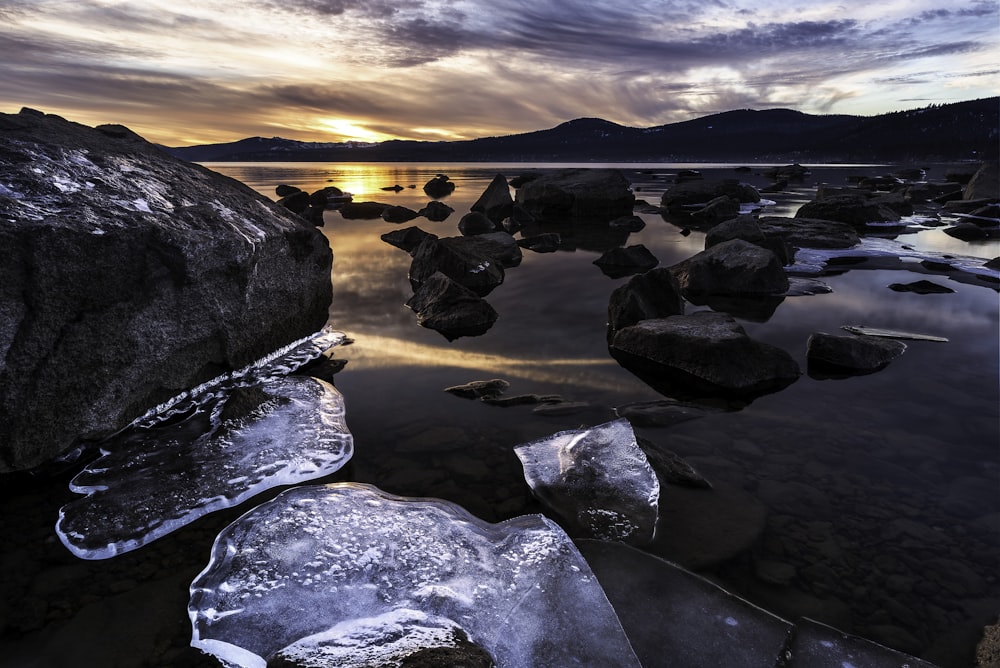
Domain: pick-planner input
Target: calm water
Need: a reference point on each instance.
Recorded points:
(870, 503)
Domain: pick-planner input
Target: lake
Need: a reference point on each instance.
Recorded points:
(871, 503)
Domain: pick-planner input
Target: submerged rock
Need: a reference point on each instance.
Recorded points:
(597, 480)
(127, 276)
(829, 355)
(704, 354)
(379, 568)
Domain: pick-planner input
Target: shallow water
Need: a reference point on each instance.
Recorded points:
(879, 495)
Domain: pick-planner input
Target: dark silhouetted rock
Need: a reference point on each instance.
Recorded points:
(653, 294)
(547, 242)
(629, 223)
(296, 202)
(438, 187)
(831, 356)
(521, 179)
(474, 223)
(685, 175)
(619, 262)
(436, 211)
(967, 232)
(584, 194)
(450, 309)
(702, 354)
(362, 210)
(463, 262)
(395, 188)
(284, 190)
(406, 239)
(856, 210)
(733, 267)
(128, 276)
(921, 288)
(519, 219)
(795, 172)
(495, 202)
(748, 229)
(670, 467)
(500, 246)
(681, 197)
(716, 211)
(330, 195)
(993, 264)
(808, 232)
(398, 214)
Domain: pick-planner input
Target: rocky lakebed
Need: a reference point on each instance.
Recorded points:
(605, 415)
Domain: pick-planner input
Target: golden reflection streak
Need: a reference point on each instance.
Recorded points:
(383, 351)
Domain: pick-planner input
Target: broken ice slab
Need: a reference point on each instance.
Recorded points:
(597, 480)
(343, 560)
(864, 330)
(237, 442)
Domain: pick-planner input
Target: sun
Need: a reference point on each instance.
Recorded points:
(351, 130)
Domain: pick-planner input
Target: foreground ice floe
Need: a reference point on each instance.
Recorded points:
(598, 480)
(209, 449)
(373, 573)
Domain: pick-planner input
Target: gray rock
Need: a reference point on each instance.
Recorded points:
(619, 262)
(406, 239)
(749, 229)
(733, 267)
(451, 309)
(856, 210)
(495, 202)
(852, 355)
(436, 211)
(474, 223)
(702, 354)
(128, 276)
(652, 294)
(985, 183)
(438, 187)
(500, 246)
(398, 214)
(809, 232)
(456, 258)
(720, 209)
(584, 194)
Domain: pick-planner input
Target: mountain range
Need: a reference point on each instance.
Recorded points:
(959, 131)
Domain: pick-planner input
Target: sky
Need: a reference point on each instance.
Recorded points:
(184, 72)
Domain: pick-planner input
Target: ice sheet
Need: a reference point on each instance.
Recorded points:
(598, 480)
(347, 558)
(209, 449)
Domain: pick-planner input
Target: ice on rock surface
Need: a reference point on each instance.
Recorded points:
(208, 449)
(598, 480)
(387, 574)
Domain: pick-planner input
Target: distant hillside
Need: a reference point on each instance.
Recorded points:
(960, 131)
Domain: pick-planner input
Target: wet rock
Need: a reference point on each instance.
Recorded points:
(985, 183)
(702, 354)
(144, 274)
(619, 262)
(362, 210)
(495, 202)
(921, 288)
(629, 223)
(296, 202)
(583, 194)
(451, 309)
(702, 192)
(480, 389)
(500, 246)
(804, 232)
(851, 355)
(438, 187)
(671, 467)
(547, 242)
(398, 214)
(662, 413)
(284, 190)
(461, 261)
(749, 229)
(407, 239)
(967, 232)
(716, 211)
(856, 210)
(652, 294)
(734, 267)
(474, 223)
(436, 211)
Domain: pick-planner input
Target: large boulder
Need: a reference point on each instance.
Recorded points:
(465, 263)
(128, 276)
(857, 210)
(733, 267)
(451, 309)
(653, 294)
(495, 202)
(748, 229)
(985, 183)
(705, 354)
(582, 194)
(803, 232)
(684, 196)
